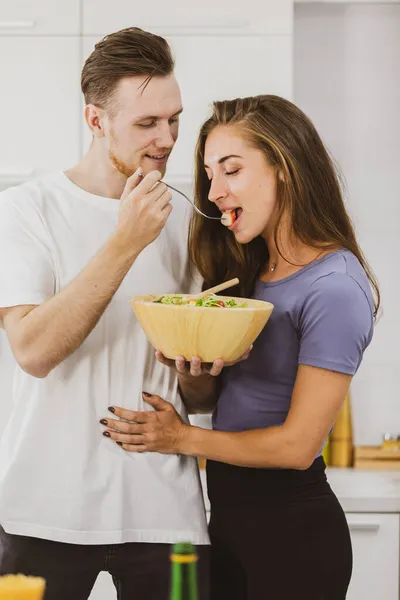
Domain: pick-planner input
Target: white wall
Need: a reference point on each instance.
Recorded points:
(347, 79)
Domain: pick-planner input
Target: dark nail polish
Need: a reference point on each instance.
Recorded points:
(111, 409)
(103, 421)
(146, 394)
(119, 443)
(106, 433)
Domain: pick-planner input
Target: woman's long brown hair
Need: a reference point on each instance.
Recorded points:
(310, 195)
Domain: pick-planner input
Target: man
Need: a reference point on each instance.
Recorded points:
(74, 249)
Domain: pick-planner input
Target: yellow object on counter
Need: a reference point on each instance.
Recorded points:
(326, 452)
(341, 439)
(21, 587)
(391, 441)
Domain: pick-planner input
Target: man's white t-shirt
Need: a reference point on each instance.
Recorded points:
(60, 478)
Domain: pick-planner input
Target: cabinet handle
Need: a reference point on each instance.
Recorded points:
(17, 24)
(364, 526)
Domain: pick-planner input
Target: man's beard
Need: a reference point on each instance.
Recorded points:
(125, 169)
(120, 165)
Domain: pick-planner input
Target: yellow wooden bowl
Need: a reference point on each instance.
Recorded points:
(21, 587)
(209, 333)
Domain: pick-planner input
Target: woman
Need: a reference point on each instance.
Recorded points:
(277, 530)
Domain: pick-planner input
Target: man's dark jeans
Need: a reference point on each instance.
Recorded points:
(140, 571)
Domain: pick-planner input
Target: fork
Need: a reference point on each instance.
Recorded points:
(190, 202)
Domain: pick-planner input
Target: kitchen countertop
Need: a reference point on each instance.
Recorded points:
(358, 490)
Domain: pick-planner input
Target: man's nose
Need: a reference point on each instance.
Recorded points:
(165, 138)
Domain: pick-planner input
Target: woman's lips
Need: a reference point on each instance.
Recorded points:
(231, 216)
(234, 226)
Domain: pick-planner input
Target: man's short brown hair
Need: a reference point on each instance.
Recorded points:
(126, 53)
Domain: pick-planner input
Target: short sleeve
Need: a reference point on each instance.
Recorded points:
(336, 324)
(27, 274)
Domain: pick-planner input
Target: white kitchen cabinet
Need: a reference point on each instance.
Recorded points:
(375, 539)
(39, 106)
(180, 17)
(218, 68)
(104, 588)
(39, 17)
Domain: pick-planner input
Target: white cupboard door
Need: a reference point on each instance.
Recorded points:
(104, 588)
(218, 68)
(39, 106)
(375, 539)
(39, 17)
(180, 16)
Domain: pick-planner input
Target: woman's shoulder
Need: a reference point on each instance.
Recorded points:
(341, 275)
(336, 316)
(340, 291)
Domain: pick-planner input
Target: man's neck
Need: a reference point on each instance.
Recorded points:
(96, 174)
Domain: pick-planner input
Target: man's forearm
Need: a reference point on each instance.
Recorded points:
(199, 394)
(56, 328)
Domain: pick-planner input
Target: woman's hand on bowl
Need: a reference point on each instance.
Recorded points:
(195, 367)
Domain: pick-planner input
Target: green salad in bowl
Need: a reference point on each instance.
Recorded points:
(211, 301)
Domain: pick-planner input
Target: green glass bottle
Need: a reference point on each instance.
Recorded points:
(183, 572)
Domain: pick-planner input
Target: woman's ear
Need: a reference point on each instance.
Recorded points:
(281, 177)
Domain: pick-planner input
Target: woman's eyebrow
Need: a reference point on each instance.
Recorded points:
(225, 158)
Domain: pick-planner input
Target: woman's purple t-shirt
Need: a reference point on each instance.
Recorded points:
(323, 317)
